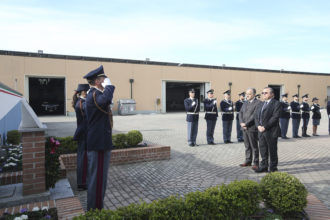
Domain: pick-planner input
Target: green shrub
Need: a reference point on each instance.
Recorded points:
(52, 163)
(119, 141)
(68, 145)
(283, 192)
(134, 137)
(13, 137)
(233, 201)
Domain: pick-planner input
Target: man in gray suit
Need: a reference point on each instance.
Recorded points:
(267, 121)
(250, 132)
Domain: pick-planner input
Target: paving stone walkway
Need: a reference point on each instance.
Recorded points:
(198, 168)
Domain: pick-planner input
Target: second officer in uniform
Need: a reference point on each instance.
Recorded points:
(227, 111)
(305, 115)
(315, 107)
(192, 109)
(211, 115)
(238, 106)
(295, 115)
(285, 115)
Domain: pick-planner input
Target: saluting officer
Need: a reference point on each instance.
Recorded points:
(81, 136)
(192, 108)
(227, 111)
(328, 112)
(285, 115)
(305, 115)
(315, 107)
(211, 115)
(99, 135)
(238, 106)
(295, 115)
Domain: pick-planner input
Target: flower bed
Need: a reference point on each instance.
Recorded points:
(36, 213)
(11, 159)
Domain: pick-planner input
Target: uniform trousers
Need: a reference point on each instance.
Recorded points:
(295, 126)
(251, 147)
(81, 162)
(210, 124)
(284, 124)
(305, 123)
(239, 131)
(192, 131)
(98, 165)
(226, 130)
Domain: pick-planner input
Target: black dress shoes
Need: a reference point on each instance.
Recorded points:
(211, 143)
(191, 145)
(261, 170)
(245, 165)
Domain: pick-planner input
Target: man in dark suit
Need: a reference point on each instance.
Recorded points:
(99, 135)
(328, 111)
(267, 122)
(211, 115)
(192, 108)
(227, 111)
(250, 132)
(238, 106)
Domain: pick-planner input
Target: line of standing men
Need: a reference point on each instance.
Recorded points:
(94, 135)
(227, 110)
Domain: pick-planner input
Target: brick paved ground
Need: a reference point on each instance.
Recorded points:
(197, 168)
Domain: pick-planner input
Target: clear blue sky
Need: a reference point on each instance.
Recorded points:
(289, 35)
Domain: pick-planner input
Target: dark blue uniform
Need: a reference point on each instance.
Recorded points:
(239, 132)
(81, 137)
(284, 118)
(211, 115)
(227, 111)
(296, 117)
(99, 144)
(192, 119)
(305, 117)
(316, 114)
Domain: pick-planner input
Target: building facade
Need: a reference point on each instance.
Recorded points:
(48, 81)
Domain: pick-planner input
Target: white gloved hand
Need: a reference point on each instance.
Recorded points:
(214, 102)
(289, 107)
(106, 82)
(193, 103)
(230, 108)
(329, 116)
(312, 107)
(301, 106)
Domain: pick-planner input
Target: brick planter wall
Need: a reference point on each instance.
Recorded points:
(11, 178)
(33, 163)
(124, 156)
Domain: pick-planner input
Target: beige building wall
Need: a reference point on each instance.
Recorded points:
(147, 86)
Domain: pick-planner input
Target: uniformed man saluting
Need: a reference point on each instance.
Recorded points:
(285, 115)
(99, 135)
(295, 115)
(192, 108)
(211, 115)
(305, 115)
(238, 106)
(227, 111)
(315, 107)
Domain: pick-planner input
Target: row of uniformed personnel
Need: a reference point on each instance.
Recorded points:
(227, 110)
(295, 110)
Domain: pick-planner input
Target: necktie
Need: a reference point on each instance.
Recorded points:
(262, 110)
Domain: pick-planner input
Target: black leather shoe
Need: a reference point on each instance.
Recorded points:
(196, 144)
(245, 164)
(229, 142)
(211, 143)
(273, 170)
(191, 145)
(82, 187)
(261, 170)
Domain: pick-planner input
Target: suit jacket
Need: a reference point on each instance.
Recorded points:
(80, 109)
(269, 117)
(193, 109)
(247, 114)
(99, 133)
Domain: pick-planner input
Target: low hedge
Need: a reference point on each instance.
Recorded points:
(232, 201)
(238, 200)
